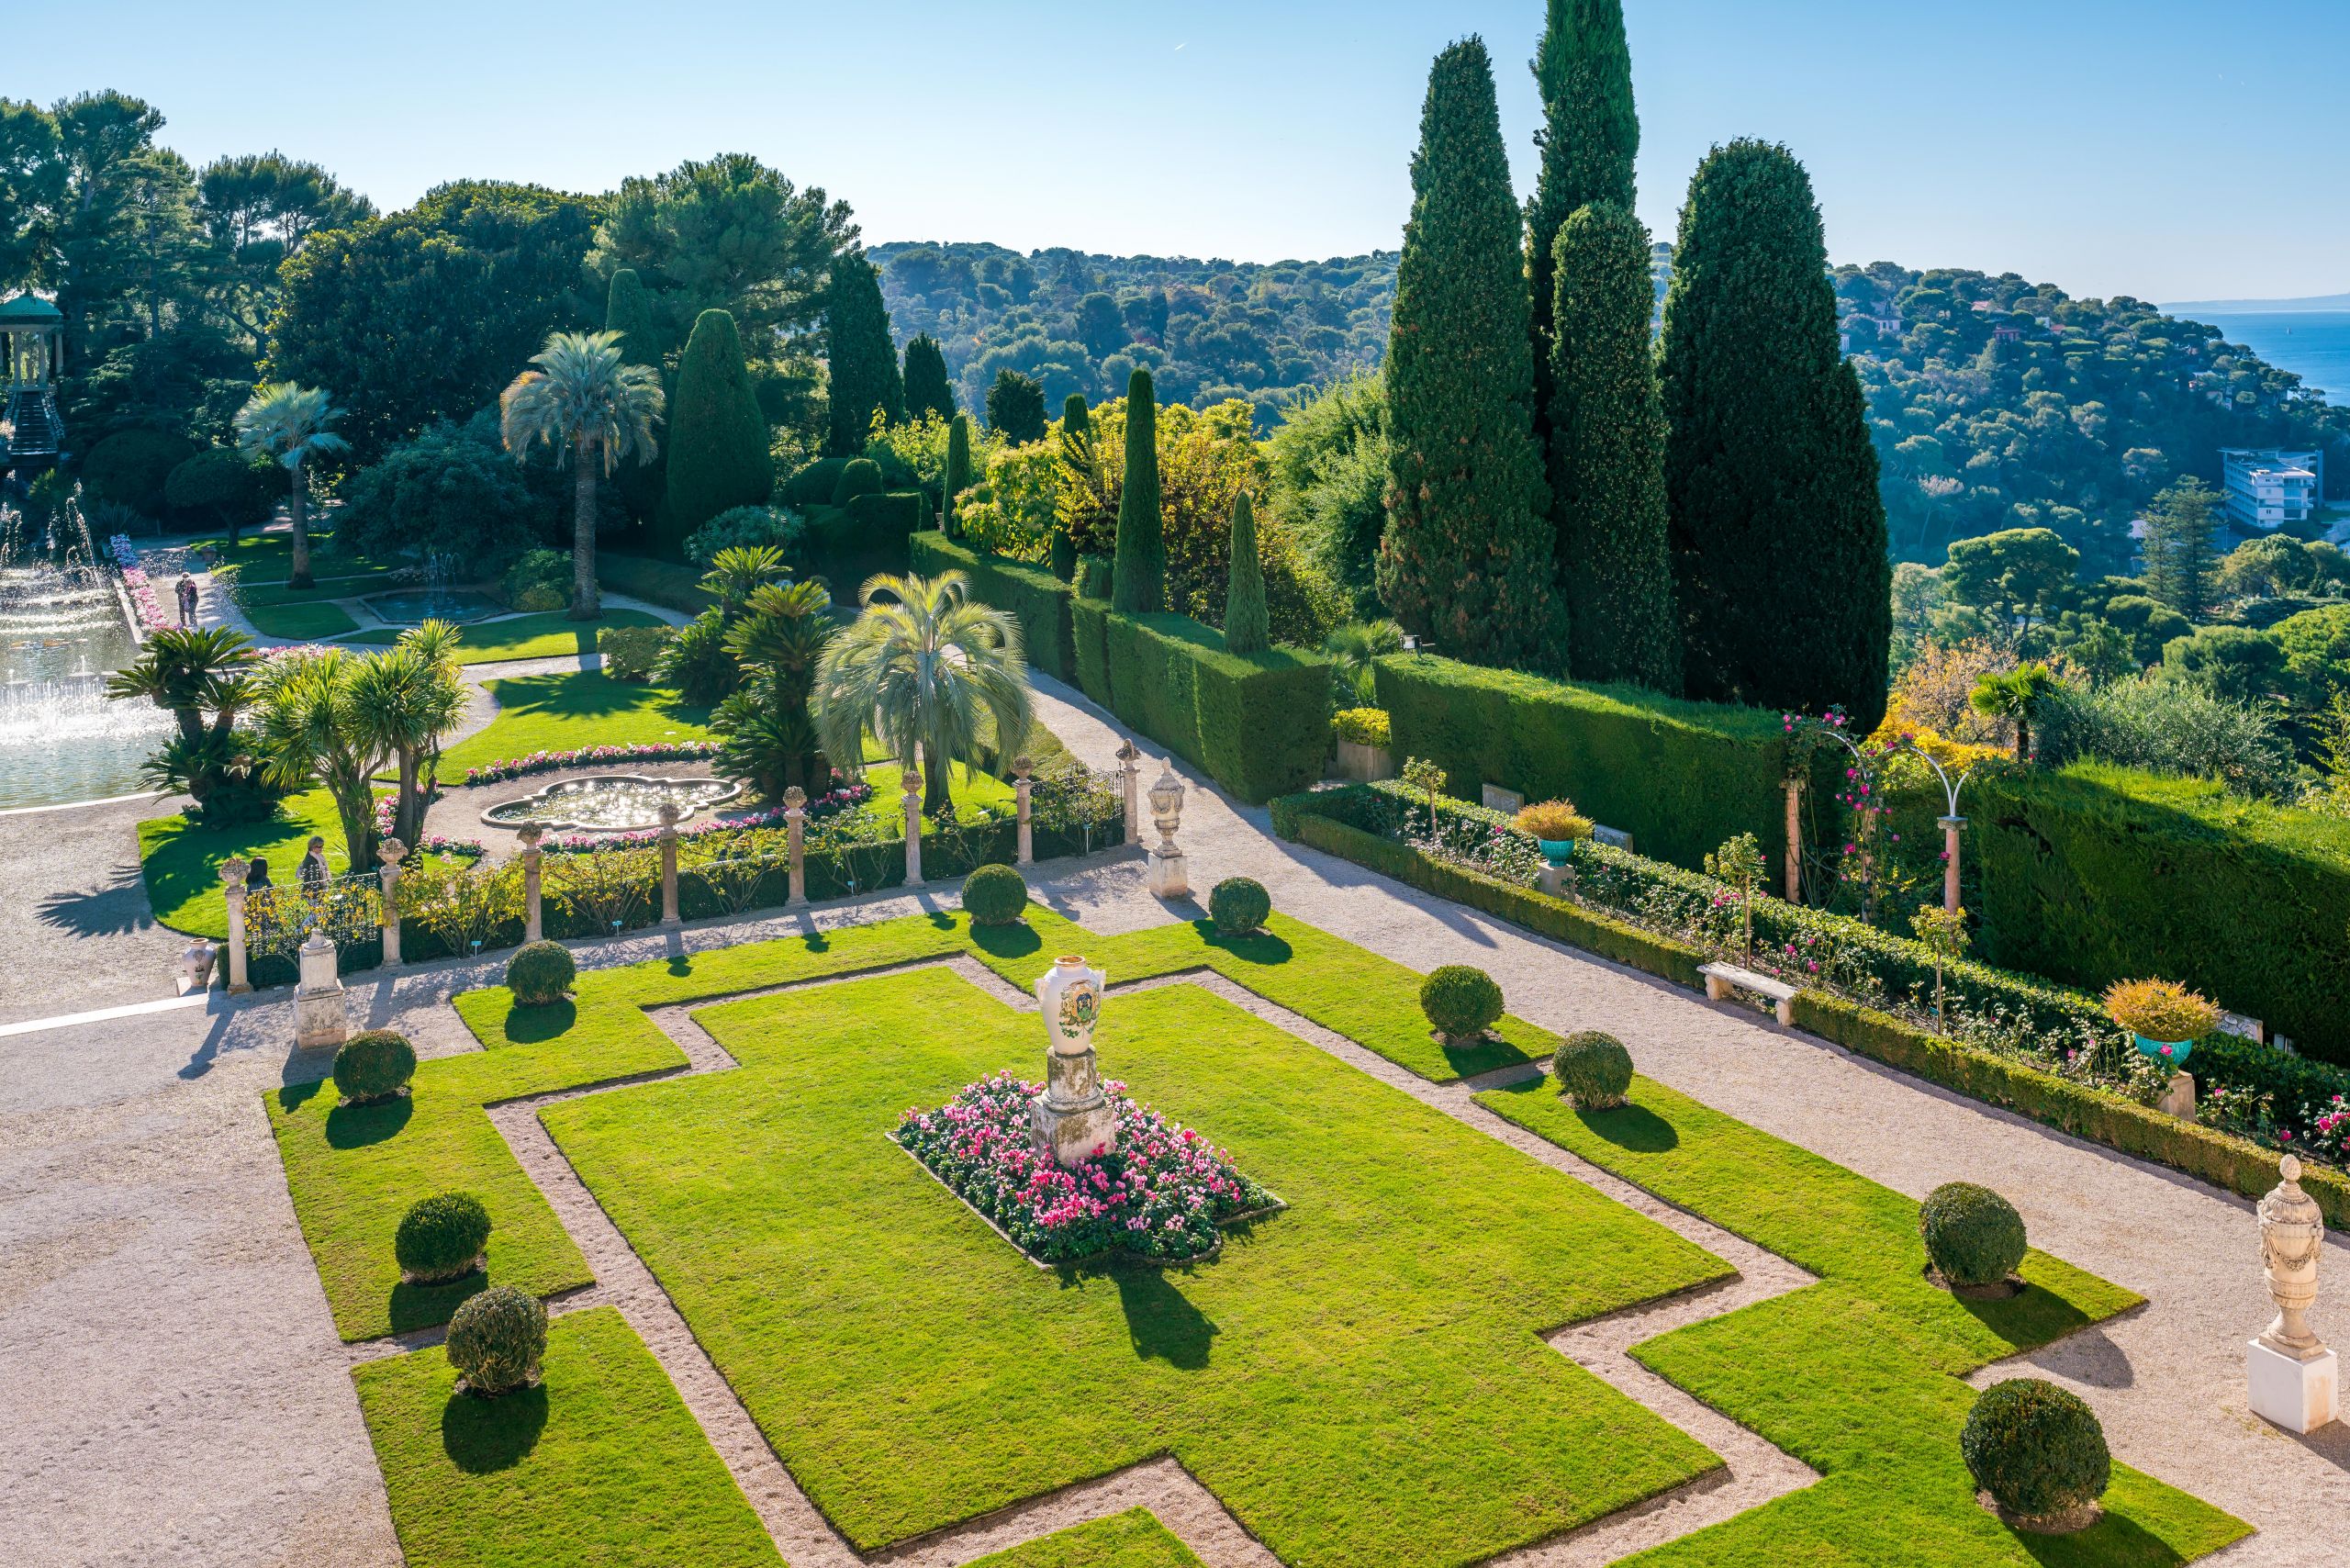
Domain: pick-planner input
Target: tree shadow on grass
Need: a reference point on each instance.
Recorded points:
(1254, 948)
(547, 1021)
(1633, 1128)
(1162, 1320)
(356, 1127)
(422, 1307)
(481, 1436)
(2034, 1317)
(1017, 940)
(2112, 1539)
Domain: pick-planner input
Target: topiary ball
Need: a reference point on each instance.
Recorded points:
(1460, 1001)
(374, 1065)
(1973, 1235)
(2036, 1448)
(441, 1236)
(1593, 1069)
(994, 895)
(540, 973)
(497, 1339)
(1239, 905)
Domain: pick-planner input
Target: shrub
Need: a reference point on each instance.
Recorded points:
(698, 662)
(631, 653)
(2167, 726)
(1460, 1001)
(1259, 723)
(540, 973)
(497, 1340)
(994, 895)
(1973, 1235)
(1593, 1069)
(440, 1236)
(1556, 821)
(1239, 905)
(859, 477)
(2160, 1010)
(130, 469)
(451, 491)
(226, 488)
(812, 483)
(718, 438)
(741, 527)
(1363, 727)
(2036, 1448)
(538, 580)
(374, 1065)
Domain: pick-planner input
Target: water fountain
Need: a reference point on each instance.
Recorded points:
(610, 803)
(439, 600)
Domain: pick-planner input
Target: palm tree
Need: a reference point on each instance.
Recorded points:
(2017, 694)
(778, 636)
(311, 731)
(741, 570)
(590, 405)
(289, 423)
(189, 674)
(400, 703)
(925, 672)
(1355, 649)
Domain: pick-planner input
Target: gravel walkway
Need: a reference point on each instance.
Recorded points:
(76, 926)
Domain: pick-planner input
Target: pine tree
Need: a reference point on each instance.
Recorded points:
(927, 389)
(1590, 137)
(1138, 571)
(864, 361)
(1778, 529)
(1016, 407)
(718, 438)
(2177, 547)
(959, 471)
(628, 310)
(1244, 621)
(1466, 557)
(1607, 455)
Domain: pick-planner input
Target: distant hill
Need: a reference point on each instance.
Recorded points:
(2312, 302)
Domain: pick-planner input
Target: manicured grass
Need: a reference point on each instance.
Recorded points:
(1858, 1375)
(547, 635)
(268, 558)
(601, 1465)
(1130, 1539)
(571, 709)
(1359, 1378)
(299, 621)
(180, 858)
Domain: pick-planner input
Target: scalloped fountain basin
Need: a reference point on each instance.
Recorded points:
(610, 803)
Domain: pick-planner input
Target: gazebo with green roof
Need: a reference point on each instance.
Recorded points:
(32, 352)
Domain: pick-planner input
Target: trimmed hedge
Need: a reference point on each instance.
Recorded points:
(667, 583)
(1029, 594)
(1973, 1235)
(2036, 1448)
(846, 545)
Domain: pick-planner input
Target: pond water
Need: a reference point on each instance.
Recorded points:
(416, 606)
(61, 631)
(610, 803)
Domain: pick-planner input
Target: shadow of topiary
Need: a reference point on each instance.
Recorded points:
(356, 1127)
(546, 1021)
(1632, 1126)
(481, 1436)
(422, 1306)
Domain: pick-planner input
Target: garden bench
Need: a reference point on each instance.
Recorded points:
(1723, 979)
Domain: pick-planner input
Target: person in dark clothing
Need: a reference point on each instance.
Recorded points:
(257, 875)
(314, 874)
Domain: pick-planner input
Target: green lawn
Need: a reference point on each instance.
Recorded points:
(1858, 1375)
(549, 635)
(1359, 1378)
(572, 708)
(180, 858)
(601, 1464)
(299, 621)
(1130, 1539)
(264, 559)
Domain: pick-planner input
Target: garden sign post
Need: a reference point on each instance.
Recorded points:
(1025, 854)
(795, 828)
(390, 852)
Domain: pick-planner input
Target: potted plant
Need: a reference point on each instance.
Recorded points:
(1554, 825)
(2166, 1017)
(1365, 743)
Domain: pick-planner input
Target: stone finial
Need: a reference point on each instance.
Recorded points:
(530, 833)
(232, 871)
(1127, 755)
(670, 812)
(1021, 767)
(795, 799)
(2292, 1234)
(911, 782)
(390, 852)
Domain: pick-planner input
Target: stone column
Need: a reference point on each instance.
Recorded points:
(1129, 777)
(1794, 841)
(795, 827)
(391, 852)
(1950, 861)
(911, 782)
(1168, 877)
(669, 814)
(533, 926)
(232, 876)
(319, 1017)
(2294, 1379)
(1073, 1119)
(1025, 854)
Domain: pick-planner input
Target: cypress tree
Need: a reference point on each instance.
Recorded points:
(1016, 407)
(863, 358)
(1080, 462)
(1607, 455)
(1466, 557)
(1590, 137)
(959, 471)
(1777, 526)
(1245, 626)
(1138, 571)
(628, 310)
(927, 390)
(718, 438)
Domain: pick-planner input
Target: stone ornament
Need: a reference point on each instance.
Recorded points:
(318, 1016)
(1169, 877)
(1073, 1120)
(2293, 1379)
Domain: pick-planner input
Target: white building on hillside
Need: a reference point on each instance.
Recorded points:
(2267, 488)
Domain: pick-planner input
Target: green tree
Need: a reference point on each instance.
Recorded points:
(1778, 531)
(1590, 139)
(32, 186)
(959, 471)
(718, 438)
(1606, 425)
(2237, 663)
(312, 731)
(258, 209)
(2180, 559)
(291, 424)
(1138, 569)
(864, 360)
(595, 409)
(2018, 574)
(628, 310)
(1330, 457)
(401, 702)
(1016, 407)
(927, 389)
(1466, 557)
(190, 673)
(231, 489)
(2015, 696)
(767, 734)
(1245, 628)
(1085, 511)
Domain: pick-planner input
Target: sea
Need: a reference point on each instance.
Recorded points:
(2313, 344)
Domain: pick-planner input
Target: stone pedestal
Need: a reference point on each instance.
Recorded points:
(2178, 1100)
(1073, 1121)
(1558, 882)
(318, 1016)
(2293, 1379)
(1168, 877)
(1025, 852)
(2299, 1395)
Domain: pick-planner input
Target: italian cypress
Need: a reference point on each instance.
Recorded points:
(1077, 521)
(927, 389)
(1607, 455)
(863, 359)
(1777, 526)
(1466, 555)
(718, 437)
(1245, 626)
(628, 310)
(1016, 407)
(1589, 139)
(1138, 571)
(959, 471)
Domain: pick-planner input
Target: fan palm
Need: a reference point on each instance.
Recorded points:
(290, 423)
(738, 572)
(593, 408)
(2015, 695)
(928, 669)
(1355, 649)
(189, 674)
(311, 733)
(769, 739)
(400, 703)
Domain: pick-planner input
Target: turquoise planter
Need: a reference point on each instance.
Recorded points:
(1557, 851)
(2154, 1048)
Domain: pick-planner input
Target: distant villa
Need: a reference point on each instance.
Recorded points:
(2268, 487)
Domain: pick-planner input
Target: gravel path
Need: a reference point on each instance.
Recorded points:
(76, 925)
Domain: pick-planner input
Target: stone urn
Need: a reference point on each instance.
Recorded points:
(2294, 1378)
(1073, 1121)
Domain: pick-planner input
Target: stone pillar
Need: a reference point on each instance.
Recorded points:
(1794, 841)
(795, 827)
(669, 814)
(232, 877)
(2294, 1379)
(318, 1018)
(1168, 877)
(911, 782)
(1025, 854)
(1950, 861)
(391, 852)
(2178, 1099)
(533, 925)
(1129, 775)
(1073, 1120)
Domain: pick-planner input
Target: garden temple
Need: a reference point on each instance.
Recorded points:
(33, 333)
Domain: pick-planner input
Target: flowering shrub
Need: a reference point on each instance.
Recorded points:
(1161, 1194)
(588, 756)
(2161, 1010)
(134, 580)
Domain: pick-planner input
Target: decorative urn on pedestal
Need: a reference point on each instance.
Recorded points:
(1073, 1121)
(1167, 877)
(2295, 1380)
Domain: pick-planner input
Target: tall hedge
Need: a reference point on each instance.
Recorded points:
(862, 358)
(958, 472)
(1778, 531)
(1030, 595)
(1607, 455)
(1016, 407)
(628, 310)
(1138, 569)
(927, 389)
(1466, 555)
(1244, 621)
(718, 438)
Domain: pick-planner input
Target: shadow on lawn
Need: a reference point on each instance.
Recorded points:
(1162, 1320)
(422, 1306)
(1634, 1128)
(1256, 948)
(356, 1127)
(485, 1435)
(1018, 940)
(2112, 1539)
(546, 1021)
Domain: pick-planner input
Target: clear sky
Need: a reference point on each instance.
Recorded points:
(2168, 149)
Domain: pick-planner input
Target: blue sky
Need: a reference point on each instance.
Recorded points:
(2109, 148)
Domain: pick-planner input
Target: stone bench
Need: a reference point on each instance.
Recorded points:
(1723, 979)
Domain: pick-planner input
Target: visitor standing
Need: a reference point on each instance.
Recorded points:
(314, 873)
(187, 593)
(257, 875)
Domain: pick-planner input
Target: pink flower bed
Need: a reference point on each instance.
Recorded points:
(134, 580)
(588, 756)
(1163, 1193)
(434, 843)
(839, 798)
